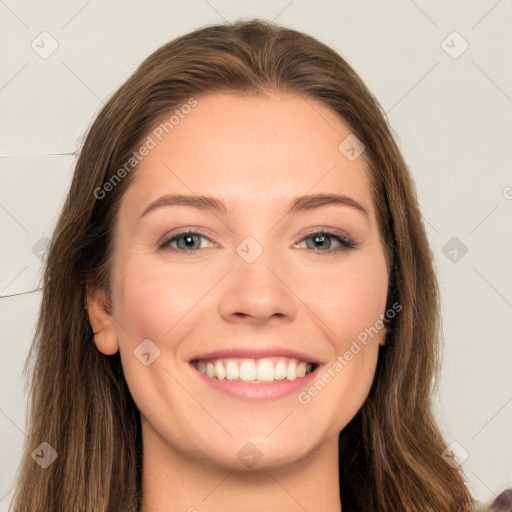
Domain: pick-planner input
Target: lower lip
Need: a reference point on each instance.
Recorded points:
(257, 392)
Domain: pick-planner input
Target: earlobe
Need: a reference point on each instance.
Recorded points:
(98, 307)
(106, 343)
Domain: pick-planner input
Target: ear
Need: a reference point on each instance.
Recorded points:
(101, 319)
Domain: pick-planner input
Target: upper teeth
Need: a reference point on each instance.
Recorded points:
(257, 370)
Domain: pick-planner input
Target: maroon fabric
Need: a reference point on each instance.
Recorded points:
(503, 502)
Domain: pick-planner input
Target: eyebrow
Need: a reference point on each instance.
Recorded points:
(297, 204)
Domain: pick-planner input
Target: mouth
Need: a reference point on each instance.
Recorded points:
(255, 375)
(254, 370)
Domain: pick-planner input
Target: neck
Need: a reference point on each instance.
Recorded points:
(173, 481)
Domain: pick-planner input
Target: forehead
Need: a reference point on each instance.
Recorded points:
(255, 150)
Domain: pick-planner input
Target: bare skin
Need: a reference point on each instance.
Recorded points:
(257, 153)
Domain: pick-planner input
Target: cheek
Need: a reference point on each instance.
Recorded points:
(154, 299)
(343, 386)
(156, 305)
(164, 305)
(350, 302)
(351, 299)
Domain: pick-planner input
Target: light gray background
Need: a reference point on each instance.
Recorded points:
(451, 116)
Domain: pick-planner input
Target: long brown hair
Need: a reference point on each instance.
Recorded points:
(390, 453)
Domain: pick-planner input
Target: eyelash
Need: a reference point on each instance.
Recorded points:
(345, 242)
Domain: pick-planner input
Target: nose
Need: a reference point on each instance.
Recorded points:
(258, 292)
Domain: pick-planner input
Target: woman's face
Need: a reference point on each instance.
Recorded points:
(258, 289)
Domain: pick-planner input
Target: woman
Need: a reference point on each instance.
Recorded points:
(197, 344)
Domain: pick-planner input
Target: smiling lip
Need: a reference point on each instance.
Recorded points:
(261, 391)
(256, 353)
